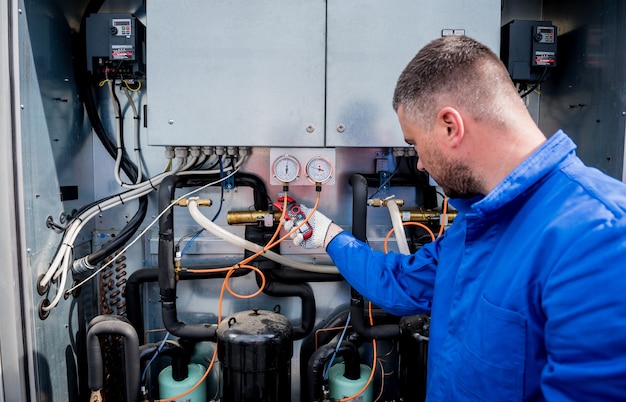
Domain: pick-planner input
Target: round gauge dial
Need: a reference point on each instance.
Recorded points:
(319, 169)
(286, 168)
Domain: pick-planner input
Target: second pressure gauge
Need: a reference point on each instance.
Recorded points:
(319, 169)
(286, 168)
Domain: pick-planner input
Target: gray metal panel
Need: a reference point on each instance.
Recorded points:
(369, 44)
(14, 359)
(227, 73)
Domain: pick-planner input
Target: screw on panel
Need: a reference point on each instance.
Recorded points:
(310, 128)
(341, 128)
(170, 121)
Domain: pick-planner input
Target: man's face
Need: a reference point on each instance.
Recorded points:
(454, 176)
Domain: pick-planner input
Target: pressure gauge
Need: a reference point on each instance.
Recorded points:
(319, 170)
(286, 168)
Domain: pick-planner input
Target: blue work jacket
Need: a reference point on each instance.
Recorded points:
(526, 290)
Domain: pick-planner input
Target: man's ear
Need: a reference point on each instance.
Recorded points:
(451, 120)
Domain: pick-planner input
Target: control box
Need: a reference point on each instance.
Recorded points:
(528, 48)
(115, 46)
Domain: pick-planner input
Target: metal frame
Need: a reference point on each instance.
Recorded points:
(15, 362)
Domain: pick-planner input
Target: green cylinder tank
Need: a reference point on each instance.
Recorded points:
(168, 387)
(342, 387)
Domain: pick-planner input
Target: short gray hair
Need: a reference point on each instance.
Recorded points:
(456, 69)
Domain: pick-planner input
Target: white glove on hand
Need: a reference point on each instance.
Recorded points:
(319, 224)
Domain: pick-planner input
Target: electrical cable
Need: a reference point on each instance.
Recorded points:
(332, 359)
(374, 351)
(137, 123)
(61, 261)
(146, 230)
(536, 84)
(154, 356)
(123, 236)
(426, 228)
(388, 180)
(382, 381)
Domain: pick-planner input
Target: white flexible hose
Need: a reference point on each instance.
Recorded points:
(64, 257)
(58, 264)
(245, 244)
(396, 221)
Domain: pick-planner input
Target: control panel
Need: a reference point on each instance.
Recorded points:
(115, 44)
(544, 46)
(528, 48)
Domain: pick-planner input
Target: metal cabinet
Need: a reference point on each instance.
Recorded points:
(369, 44)
(292, 73)
(236, 73)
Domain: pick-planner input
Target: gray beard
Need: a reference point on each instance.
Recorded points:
(457, 181)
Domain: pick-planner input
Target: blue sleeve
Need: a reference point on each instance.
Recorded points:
(399, 284)
(584, 301)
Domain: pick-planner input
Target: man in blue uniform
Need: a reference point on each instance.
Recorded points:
(527, 289)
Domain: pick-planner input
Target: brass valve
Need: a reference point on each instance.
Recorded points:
(201, 202)
(243, 217)
(382, 202)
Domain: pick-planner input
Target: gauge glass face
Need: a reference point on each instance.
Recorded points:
(319, 170)
(286, 168)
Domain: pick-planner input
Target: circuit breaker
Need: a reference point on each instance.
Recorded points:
(528, 48)
(115, 46)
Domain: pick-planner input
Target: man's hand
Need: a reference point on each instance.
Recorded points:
(318, 222)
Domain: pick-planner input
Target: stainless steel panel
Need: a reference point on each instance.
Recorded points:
(15, 376)
(370, 42)
(56, 150)
(227, 73)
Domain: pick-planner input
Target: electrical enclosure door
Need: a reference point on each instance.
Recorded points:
(236, 73)
(291, 73)
(369, 44)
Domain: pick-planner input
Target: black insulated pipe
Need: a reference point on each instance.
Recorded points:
(310, 344)
(113, 325)
(359, 206)
(321, 357)
(146, 275)
(302, 291)
(167, 277)
(357, 309)
(180, 357)
(357, 304)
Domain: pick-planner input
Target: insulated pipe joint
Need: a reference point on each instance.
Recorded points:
(82, 265)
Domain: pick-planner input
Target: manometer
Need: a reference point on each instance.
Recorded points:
(286, 168)
(319, 169)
